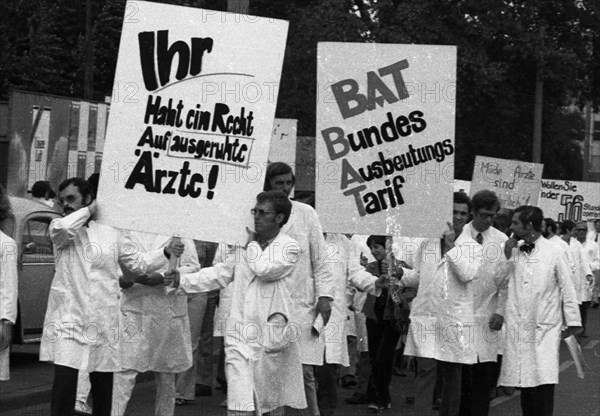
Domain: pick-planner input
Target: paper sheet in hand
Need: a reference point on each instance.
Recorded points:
(575, 350)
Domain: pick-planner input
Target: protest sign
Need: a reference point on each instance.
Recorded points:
(185, 154)
(515, 182)
(385, 138)
(570, 200)
(283, 141)
(462, 186)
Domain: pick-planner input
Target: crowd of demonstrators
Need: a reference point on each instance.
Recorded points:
(285, 299)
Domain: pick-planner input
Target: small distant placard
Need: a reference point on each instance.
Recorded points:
(283, 141)
(515, 182)
(570, 200)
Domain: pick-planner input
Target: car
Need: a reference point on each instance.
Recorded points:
(29, 226)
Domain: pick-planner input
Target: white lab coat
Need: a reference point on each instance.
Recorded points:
(347, 271)
(591, 254)
(312, 278)
(581, 270)
(81, 325)
(262, 286)
(489, 289)
(442, 313)
(533, 318)
(226, 294)
(155, 325)
(9, 287)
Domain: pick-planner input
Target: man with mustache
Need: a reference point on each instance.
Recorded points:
(83, 304)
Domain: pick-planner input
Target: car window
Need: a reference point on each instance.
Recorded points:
(36, 244)
(8, 227)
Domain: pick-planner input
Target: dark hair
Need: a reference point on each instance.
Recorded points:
(41, 188)
(550, 223)
(84, 186)
(566, 226)
(280, 202)
(276, 169)
(503, 221)
(4, 204)
(93, 181)
(376, 239)
(462, 198)
(530, 214)
(485, 199)
(597, 221)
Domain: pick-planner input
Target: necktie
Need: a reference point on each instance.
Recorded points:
(527, 247)
(479, 238)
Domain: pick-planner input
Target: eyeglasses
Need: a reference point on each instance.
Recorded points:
(260, 212)
(486, 216)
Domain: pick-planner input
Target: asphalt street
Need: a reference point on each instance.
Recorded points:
(28, 391)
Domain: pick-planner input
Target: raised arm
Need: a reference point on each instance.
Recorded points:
(63, 230)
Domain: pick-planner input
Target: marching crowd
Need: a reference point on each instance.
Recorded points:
(302, 312)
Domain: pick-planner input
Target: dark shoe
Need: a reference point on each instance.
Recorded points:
(437, 404)
(410, 400)
(202, 390)
(356, 398)
(348, 382)
(374, 408)
(182, 402)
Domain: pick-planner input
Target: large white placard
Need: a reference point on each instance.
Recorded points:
(570, 200)
(185, 153)
(385, 138)
(515, 182)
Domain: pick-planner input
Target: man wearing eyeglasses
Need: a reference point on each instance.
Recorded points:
(488, 293)
(264, 370)
(314, 282)
(591, 255)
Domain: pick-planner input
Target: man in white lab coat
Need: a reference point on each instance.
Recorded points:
(591, 255)
(315, 288)
(155, 328)
(81, 323)
(262, 360)
(347, 271)
(540, 293)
